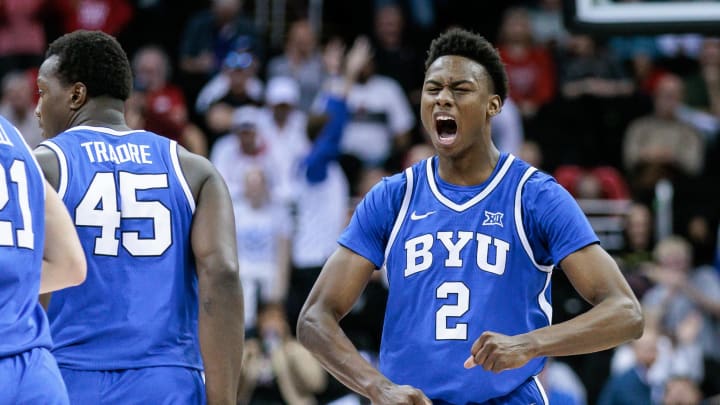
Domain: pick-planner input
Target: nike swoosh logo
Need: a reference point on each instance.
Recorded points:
(414, 216)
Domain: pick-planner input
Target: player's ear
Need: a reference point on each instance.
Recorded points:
(494, 105)
(78, 95)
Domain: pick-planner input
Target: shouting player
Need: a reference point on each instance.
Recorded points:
(162, 296)
(469, 238)
(39, 252)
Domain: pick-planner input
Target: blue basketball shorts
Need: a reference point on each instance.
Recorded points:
(31, 378)
(138, 386)
(530, 392)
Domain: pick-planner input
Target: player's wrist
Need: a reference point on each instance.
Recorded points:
(533, 345)
(375, 386)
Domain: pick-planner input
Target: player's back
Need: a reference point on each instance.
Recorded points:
(133, 211)
(23, 324)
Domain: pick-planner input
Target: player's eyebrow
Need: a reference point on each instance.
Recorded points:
(452, 84)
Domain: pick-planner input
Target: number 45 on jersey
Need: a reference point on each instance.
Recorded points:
(99, 208)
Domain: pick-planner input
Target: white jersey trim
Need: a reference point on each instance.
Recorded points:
(62, 163)
(32, 156)
(180, 176)
(519, 224)
(104, 130)
(541, 389)
(479, 197)
(543, 302)
(409, 185)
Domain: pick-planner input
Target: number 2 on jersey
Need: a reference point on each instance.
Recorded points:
(99, 208)
(24, 236)
(459, 331)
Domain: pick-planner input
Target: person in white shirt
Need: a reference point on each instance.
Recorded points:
(381, 118)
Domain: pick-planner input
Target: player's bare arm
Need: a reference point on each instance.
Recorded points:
(614, 319)
(213, 242)
(63, 258)
(49, 165)
(339, 285)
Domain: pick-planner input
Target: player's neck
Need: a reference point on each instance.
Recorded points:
(102, 112)
(472, 168)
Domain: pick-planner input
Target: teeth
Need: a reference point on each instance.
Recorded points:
(445, 118)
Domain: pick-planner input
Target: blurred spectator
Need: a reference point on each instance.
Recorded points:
(277, 369)
(211, 34)
(587, 71)
(530, 68)
(243, 148)
(393, 57)
(234, 87)
(18, 107)
(161, 103)
(507, 128)
(637, 255)
(562, 385)
(661, 145)
(381, 118)
(639, 55)
(547, 23)
(22, 35)
(673, 45)
(657, 357)
(109, 16)
(323, 191)
(703, 87)
(682, 391)
(416, 153)
(531, 153)
(301, 61)
(284, 127)
(602, 182)
(263, 238)
(633, 385)
(322, 203)
(683, 293)
(680, 52)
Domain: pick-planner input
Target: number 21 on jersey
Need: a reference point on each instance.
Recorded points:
(99, 208)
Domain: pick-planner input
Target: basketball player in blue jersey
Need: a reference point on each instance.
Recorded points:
(162, 298)
(39, 252)
(469, 238)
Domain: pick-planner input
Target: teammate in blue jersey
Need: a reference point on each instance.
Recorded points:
(469, 238)
(39, 252)
(162, 298)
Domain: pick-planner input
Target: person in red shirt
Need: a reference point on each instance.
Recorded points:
(109, 16)
(158, 105)
(530, 68)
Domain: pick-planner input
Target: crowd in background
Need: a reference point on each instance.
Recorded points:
(628, 124)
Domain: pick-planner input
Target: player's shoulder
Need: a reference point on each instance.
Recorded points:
(196, 169)
(390, 190)
(538, 183)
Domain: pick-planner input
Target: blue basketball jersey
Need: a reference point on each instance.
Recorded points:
(23, 324)
(459, 263)
(133, 210)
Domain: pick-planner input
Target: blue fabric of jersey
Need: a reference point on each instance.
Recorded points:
(23, 324)
(458, 265)
(134, 309)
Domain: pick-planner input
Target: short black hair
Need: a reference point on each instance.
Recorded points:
(460, 42)
(95, 59)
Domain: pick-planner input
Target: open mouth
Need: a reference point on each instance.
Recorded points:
(446, 128)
